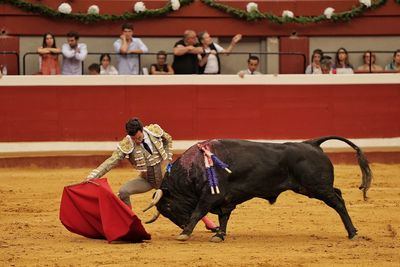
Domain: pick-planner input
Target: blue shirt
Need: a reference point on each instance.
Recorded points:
(129, 64)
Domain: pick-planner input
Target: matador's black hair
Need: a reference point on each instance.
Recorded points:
(133, 126)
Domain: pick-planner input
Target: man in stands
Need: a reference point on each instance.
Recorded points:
(129, 48)
(73, 55)
(252, 66)
(185, 54)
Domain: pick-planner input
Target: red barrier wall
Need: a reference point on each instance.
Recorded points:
(58, 113)
(293, 64)
(9, 44)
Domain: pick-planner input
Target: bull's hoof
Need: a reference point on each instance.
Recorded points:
(182, 237)
(353, 236)
(218, 238)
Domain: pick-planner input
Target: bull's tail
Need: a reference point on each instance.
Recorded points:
(362, 160)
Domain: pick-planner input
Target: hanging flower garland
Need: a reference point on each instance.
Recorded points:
(93, 10)
(328, 12)
(139, 7)
(139, 11)
(93, 15)
(175, 4)
(253, 14)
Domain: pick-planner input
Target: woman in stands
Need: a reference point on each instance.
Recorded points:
(161, 67)
(315, 66)
(342, 64)
(369, 65)
(326, 65)
(49, 56)
(395, 64)
(105, 67)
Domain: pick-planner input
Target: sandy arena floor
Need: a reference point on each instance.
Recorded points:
(296, 231)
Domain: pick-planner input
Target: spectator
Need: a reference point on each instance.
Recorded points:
(49, 52)
(369, 65)
(209, 61)
(185, 54)
(129, 48)
(326, 65)
(161, 67)
(252, 66)
(105, 67)
(94, 69)
(315, 66)
(342, 64)
(395, 64)
(73, 55)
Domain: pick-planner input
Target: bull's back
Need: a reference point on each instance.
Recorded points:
(258, 169)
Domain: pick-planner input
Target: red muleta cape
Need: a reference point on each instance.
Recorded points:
(92, 210)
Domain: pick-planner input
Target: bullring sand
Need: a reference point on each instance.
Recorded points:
(296, 231)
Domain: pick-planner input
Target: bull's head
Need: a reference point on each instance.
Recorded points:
(179, 193)
(173, 201)
(170, 207)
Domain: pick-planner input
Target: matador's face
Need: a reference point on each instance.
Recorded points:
(138, 137)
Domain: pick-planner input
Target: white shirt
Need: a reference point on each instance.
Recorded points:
(344, 71)
(129, 64)
(249, 72)
(72, 60)
(311, 70)
(110, 70)
(146, 139)
(212, 61)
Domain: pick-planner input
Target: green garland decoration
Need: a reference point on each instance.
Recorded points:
(397, 1)
(91, 18)
(235, 12)
(257, 15)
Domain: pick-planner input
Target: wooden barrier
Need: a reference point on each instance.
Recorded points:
(88, 108)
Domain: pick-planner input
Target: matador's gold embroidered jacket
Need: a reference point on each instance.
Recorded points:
(139, 157)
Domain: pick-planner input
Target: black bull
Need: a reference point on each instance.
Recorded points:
(262, 170)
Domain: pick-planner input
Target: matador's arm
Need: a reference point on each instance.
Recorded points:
(107, 165)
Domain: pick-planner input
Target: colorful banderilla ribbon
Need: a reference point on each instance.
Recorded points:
(209, 161)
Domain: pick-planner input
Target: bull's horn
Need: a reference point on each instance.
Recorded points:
(158, 195)
(155, 217)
